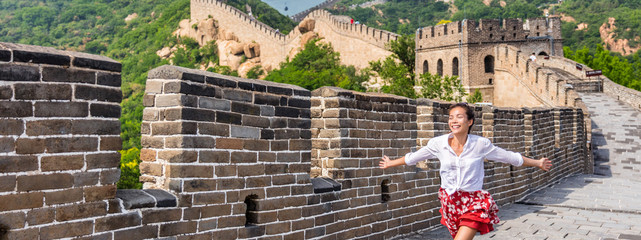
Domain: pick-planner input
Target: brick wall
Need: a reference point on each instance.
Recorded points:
(348, 133)
(59, 136)
(243, 158)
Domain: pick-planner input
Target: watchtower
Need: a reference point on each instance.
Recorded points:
(468, 48)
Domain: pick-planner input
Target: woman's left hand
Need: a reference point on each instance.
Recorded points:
(545, 164)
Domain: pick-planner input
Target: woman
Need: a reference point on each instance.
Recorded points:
(465, 208)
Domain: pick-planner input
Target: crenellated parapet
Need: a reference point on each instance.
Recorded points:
(363, 32)
(487, 31)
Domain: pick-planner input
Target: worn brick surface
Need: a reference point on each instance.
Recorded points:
(15, 109)
(63, 162)
(42, 182)
(41, 216)
(178, 156)
(42, 92)
(117, 222)
(19, 73)
(61, 109)
(144, 232)
(11, 126)
(171, 229)
(79, 211)
(58, 74)
(18, 163)
(194, 171)
(99, 193)
(63, 196)
(65, 230)
(110, 143)
(71, 144)
(104, 110)
(160, 215)
(102, 160)
(110, 176)
(15, 220)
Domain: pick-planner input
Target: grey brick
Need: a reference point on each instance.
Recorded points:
(61, 109)
(213, 103)
(15, 109)
(244, 132)
(98, 93)
(59, 74)
(12, 72)
(40, 91)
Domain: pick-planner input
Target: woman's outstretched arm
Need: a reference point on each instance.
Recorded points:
(544, 163)
(387, 163)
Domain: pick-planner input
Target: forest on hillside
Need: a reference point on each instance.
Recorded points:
(131, 32)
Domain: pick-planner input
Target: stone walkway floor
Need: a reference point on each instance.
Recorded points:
(603, 205)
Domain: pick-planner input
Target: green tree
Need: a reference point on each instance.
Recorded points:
(446, 88)
(618, 69)
(476, 97)
(317, 65)
(403, 50)
(398, 78)
(129, 169)
(255, 72)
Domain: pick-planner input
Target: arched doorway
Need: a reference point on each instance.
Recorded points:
(455, 66)
(489, 64)
(425, 67)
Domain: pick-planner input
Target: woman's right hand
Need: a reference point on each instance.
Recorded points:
(385, 162)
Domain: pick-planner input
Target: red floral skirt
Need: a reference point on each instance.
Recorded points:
(473, 209)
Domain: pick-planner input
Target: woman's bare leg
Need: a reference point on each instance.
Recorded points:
(465, 233)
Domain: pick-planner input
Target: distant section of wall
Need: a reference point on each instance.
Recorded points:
(627, 95)
(358, 44)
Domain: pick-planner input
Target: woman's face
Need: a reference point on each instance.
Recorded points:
(458, 121)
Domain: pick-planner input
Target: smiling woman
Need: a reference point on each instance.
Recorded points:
(465, 207)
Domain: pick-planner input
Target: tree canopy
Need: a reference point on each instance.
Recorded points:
(318, 65)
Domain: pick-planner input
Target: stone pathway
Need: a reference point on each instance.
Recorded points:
(603, 205)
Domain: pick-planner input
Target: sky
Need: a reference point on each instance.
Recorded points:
(293, 6)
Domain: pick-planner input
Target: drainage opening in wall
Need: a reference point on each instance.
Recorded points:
(251, 216)
(385, 196)
(4, 229)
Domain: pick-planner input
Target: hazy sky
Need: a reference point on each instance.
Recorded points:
(294, 6)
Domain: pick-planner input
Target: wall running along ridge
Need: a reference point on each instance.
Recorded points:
(357, 43)
(238, 158)
(627, 95)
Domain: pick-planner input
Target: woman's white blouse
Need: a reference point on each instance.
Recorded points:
(465, 172)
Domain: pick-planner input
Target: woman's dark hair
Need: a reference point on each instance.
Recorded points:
(468, 111)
